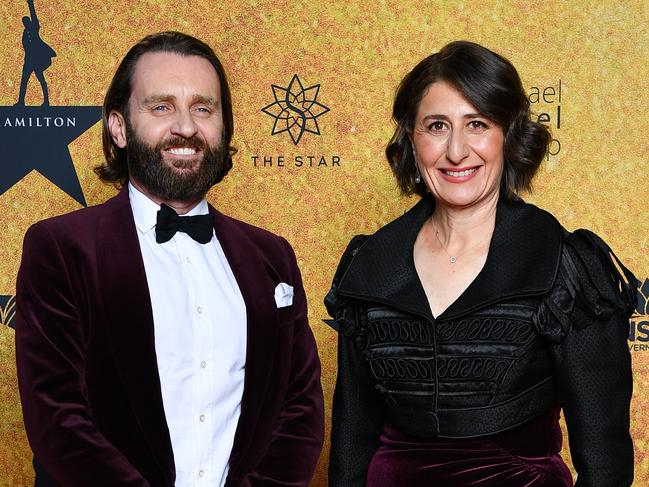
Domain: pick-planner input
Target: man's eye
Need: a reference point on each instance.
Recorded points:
(160, 108)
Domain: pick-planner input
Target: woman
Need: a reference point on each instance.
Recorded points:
(466, 324)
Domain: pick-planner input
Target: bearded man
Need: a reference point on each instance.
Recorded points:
(158, 341)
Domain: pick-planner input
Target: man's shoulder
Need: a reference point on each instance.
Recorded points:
(258, 236)
(271, 248)
(71, 235)
(76, 218)
(75, 224)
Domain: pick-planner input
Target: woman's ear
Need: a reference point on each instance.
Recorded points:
(412, 145)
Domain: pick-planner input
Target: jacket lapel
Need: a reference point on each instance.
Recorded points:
(523, 260)
(129, 318)
(256, 281)
(383, 269)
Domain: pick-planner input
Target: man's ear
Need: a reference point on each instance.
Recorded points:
(117, 128)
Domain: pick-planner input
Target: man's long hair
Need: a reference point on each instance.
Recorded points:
(115, 169)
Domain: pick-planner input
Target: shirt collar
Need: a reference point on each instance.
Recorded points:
(145, 210)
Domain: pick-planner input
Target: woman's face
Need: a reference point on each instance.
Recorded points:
(459, 152)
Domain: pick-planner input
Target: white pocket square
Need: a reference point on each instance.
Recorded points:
(283, 295)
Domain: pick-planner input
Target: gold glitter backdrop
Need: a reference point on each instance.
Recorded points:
(594, 53)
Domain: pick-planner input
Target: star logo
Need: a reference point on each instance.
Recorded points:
(37, 138)
(295, 109)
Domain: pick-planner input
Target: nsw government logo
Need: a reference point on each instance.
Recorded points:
(296, 111)
(639, 322)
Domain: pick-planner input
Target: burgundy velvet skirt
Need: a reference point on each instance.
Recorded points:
(527, 456)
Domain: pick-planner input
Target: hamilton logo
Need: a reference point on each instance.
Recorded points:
(639, 322)
(8, 311)
(296, 109)
(37, 137)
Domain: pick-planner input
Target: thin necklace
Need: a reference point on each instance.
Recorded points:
(453, 258)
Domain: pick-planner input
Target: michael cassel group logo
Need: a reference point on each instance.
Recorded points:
(639, 322)
(296, 112)
(545, 99)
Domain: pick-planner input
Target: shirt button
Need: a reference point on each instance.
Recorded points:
(203, 364)
(199, 309)
(188, 259)
(201, 418)
(201, 473)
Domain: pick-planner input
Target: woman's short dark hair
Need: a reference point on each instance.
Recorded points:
(115, 169)
(492, 85)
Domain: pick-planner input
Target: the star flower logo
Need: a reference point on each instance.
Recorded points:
(295, 109)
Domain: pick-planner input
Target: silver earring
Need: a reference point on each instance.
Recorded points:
(417, 175)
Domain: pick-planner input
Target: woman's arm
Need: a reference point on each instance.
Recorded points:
(357, 416)
(596, 386)
(594, 364)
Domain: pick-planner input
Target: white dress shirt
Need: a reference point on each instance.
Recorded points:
(199, 319)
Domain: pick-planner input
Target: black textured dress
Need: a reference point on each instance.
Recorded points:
(472, 397)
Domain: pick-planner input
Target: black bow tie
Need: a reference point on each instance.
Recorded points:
(198, 227)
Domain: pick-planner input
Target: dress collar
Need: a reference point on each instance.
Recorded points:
(523, 260)
(145, 210)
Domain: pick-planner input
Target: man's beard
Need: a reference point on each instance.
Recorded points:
(147, 166)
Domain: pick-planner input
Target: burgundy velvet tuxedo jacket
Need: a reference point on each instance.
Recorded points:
(87, 369)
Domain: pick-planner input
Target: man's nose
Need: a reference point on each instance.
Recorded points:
(184, 124)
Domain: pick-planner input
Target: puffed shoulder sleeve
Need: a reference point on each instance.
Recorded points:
(591, 287)
(585, 318)
(357, 415)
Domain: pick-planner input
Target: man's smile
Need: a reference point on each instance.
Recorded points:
(181, 151)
